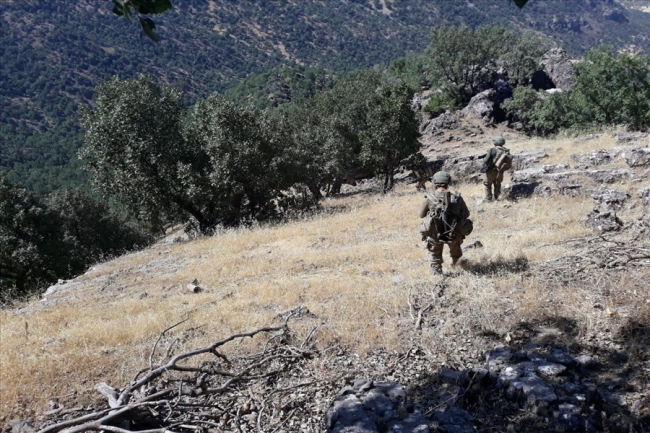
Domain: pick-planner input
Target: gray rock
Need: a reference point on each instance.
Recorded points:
(644, 195)
(452, 419)
(527, 158)
(481, 106)
(561, 357)
(412, 423)
(550, 369)
(445, 121)
(639, 157)
(535, 389)
(610, 176)
(586, 361)
(599, 157)
(559, 68)
(449, 376)
(348, 415)
(604, 220)
(610, 199)
(21, 426)
(626, 137)
(498, 358)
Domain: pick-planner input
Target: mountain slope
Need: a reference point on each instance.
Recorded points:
(52, 54)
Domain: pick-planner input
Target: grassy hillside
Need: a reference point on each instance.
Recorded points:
(360, 269)
(53, 54)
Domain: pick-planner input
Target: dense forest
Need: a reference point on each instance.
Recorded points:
(53, 55)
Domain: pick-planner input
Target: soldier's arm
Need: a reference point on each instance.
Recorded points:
(488, 156)
(464, 210)
(424, 208)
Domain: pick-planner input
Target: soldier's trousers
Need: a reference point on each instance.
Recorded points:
(494, 178)
(435, 252)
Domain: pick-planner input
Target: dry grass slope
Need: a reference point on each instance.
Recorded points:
(352, 267)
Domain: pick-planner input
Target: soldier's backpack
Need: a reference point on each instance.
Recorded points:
(442, 221)
(503, 159)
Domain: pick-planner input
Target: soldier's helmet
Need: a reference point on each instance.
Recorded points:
(441, 178)
(499, 141)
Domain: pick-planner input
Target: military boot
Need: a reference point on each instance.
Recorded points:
(488, 192)
(436, 268)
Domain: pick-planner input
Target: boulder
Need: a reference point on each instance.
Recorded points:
(481, 106)
(604, 220)
(559, 68)
(644, 195)
(610, 199)
(631, 136)
(599, 157)
(446, 120)
(610, 176)
(368, 407)
(527, 158)
(639, 157)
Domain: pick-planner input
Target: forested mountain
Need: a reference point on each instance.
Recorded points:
(54, 53)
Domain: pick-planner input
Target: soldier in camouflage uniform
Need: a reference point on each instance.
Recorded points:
(441, 181)
(493, 176)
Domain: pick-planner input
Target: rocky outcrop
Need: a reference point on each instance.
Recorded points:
(556, 172)
(639, 157)
(559, 69)
(610, 199)
(604, 220)
(446, 120)
(481, 106)
(372, 407)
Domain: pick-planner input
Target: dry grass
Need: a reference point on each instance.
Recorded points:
(351, 268)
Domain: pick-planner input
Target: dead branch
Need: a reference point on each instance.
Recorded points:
(157, 398)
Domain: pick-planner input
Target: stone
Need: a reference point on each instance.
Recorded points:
(412, 423)
(639, 157)
(586, 361)
(452, 419)
(626, 137)
(481, 106)
(604, 220)
(561, 357)
(559, 68)
(527, 158)
(521, 190)
(535, 389)
(599, 157)
(451, 377)
(610, 176)
(497, 358)
(21, 426)
(610, 199)
(550, 369)
(644, 195)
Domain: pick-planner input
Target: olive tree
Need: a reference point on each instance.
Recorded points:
(135, 151)
(31, 244)
(392, 130)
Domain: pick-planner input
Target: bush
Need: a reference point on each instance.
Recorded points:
(611, 89)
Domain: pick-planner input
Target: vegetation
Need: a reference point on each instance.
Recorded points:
(463, 60)
(611, 89)
(55, 53)
(42, 242)
(223, 163)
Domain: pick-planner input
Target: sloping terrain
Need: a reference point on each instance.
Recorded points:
(357, 273)
(53, 54)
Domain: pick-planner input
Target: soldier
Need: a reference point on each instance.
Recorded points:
(494, 176)
(446, 221)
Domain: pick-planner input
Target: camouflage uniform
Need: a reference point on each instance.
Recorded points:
(434, 247)
(493, 176)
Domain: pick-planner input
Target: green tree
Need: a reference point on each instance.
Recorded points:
(248, 163)
(31, 244)
(612, 89)
(392, 130)
(135, 150)
(466, 58)
(93, 231)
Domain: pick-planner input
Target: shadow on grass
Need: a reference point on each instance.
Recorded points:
(495, 266)
(602, 388)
